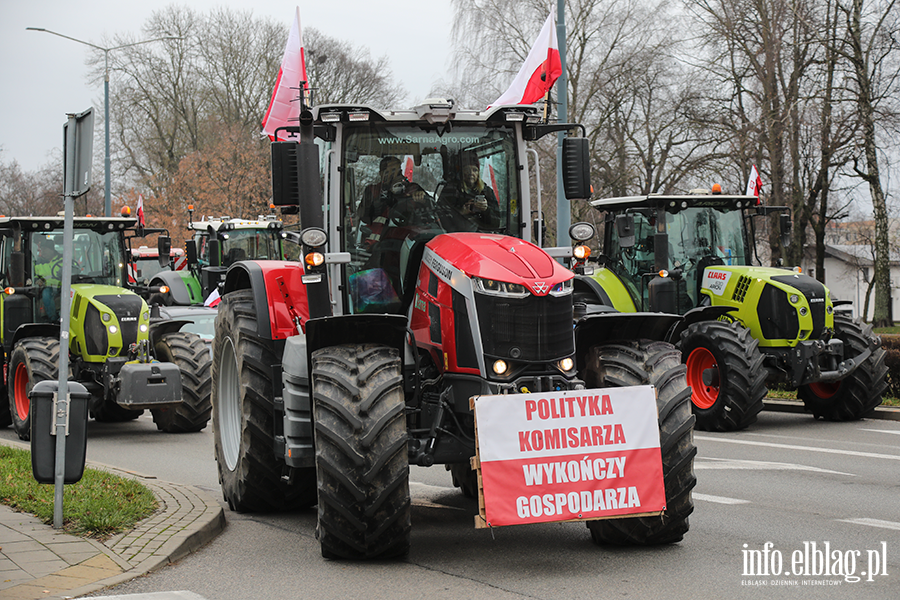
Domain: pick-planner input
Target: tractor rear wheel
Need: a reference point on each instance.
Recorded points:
(242, 398)
(658, 364)
(857, 395)
(190, 353)
(361, 452)
(32, 360)
(726, 375)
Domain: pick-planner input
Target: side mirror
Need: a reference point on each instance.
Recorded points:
(190, 249)
(576, 168)
(625, 230)
(215, 252)
(164, 245)
(785, 226)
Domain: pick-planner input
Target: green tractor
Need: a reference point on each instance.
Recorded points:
(125, 355)
(218, 242)
(744, 327)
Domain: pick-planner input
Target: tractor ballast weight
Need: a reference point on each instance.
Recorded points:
(125, 356)
(745, 326)
(415, 291)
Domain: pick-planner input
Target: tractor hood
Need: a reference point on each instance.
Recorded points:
(500, 258)
(106, 321)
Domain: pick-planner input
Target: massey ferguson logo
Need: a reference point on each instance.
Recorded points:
(540, 287)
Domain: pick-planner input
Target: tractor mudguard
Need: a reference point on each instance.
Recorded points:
(596, 329)
(149, 385)
(385, 329)
(695, 315)
(183, 287)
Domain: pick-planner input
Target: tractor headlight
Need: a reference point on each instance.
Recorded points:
(794, 298)
(105, 317)
(566, 364)
(113, 329)
(803, 311)
(144, 328)
(563, 288)
(500, 288)
(500, 367)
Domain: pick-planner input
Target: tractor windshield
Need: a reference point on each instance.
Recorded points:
(96, 258)
(698, 237)
(242, 244)
(402, 185)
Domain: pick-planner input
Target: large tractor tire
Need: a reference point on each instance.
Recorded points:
(191, 354)
(658, 364)
(243, 416)
(732, 394)
(464, 478)
(361, 452)
(857, 395)
(32, 360)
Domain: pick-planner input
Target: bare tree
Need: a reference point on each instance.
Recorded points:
(341, 73)
(872, 37)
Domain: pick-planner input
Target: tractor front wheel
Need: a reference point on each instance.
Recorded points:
(726, 375)
(190, 353)
(658, 364)
(32, 360)
(361, 452)
(858, 394)
(250, 471)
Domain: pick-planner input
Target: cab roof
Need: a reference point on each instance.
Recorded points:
(680, 201)
(98, 224)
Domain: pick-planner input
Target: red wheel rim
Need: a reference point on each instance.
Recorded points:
(825, 390)
(702, 395)
(20, 389)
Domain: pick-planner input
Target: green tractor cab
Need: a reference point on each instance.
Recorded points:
(744, 326)
(127, 358)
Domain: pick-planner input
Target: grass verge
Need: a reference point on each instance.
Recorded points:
(98, 506)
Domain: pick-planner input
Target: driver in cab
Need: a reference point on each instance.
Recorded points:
(472, 204)
(48, 277)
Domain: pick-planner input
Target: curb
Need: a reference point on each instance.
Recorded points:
(885, 413)
(187, 519)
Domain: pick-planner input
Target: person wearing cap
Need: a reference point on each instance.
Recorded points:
(380, 197)
(48, 277)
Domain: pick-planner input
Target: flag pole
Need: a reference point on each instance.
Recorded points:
(563, 210)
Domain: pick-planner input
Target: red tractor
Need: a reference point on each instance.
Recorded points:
(418, 289)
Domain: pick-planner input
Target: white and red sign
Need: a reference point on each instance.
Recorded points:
(578, 454)
(715, 281)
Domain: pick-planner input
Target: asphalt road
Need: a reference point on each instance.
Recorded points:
(790, 481)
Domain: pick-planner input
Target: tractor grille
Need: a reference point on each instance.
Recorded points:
(740, 291)
(534, 328)
(127, 309)
(814, 292)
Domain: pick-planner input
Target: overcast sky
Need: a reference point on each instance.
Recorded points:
(43, 77)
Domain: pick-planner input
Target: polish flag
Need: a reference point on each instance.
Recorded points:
(541, 69)
(213, 300)
(284, 110)
(754, 183)
(140, 211)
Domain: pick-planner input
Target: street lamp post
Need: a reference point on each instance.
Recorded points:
(107, 204)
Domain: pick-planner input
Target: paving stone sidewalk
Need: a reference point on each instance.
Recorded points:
(37, 561)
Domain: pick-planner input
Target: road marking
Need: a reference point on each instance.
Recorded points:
(869, 522)
(882, 431)
(727, 463)
(719, 499)
(793, 447)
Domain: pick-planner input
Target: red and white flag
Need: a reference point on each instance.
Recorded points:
(284, 110)
(140, 211)
(754, 183)
(213, 300)
(541, 69)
